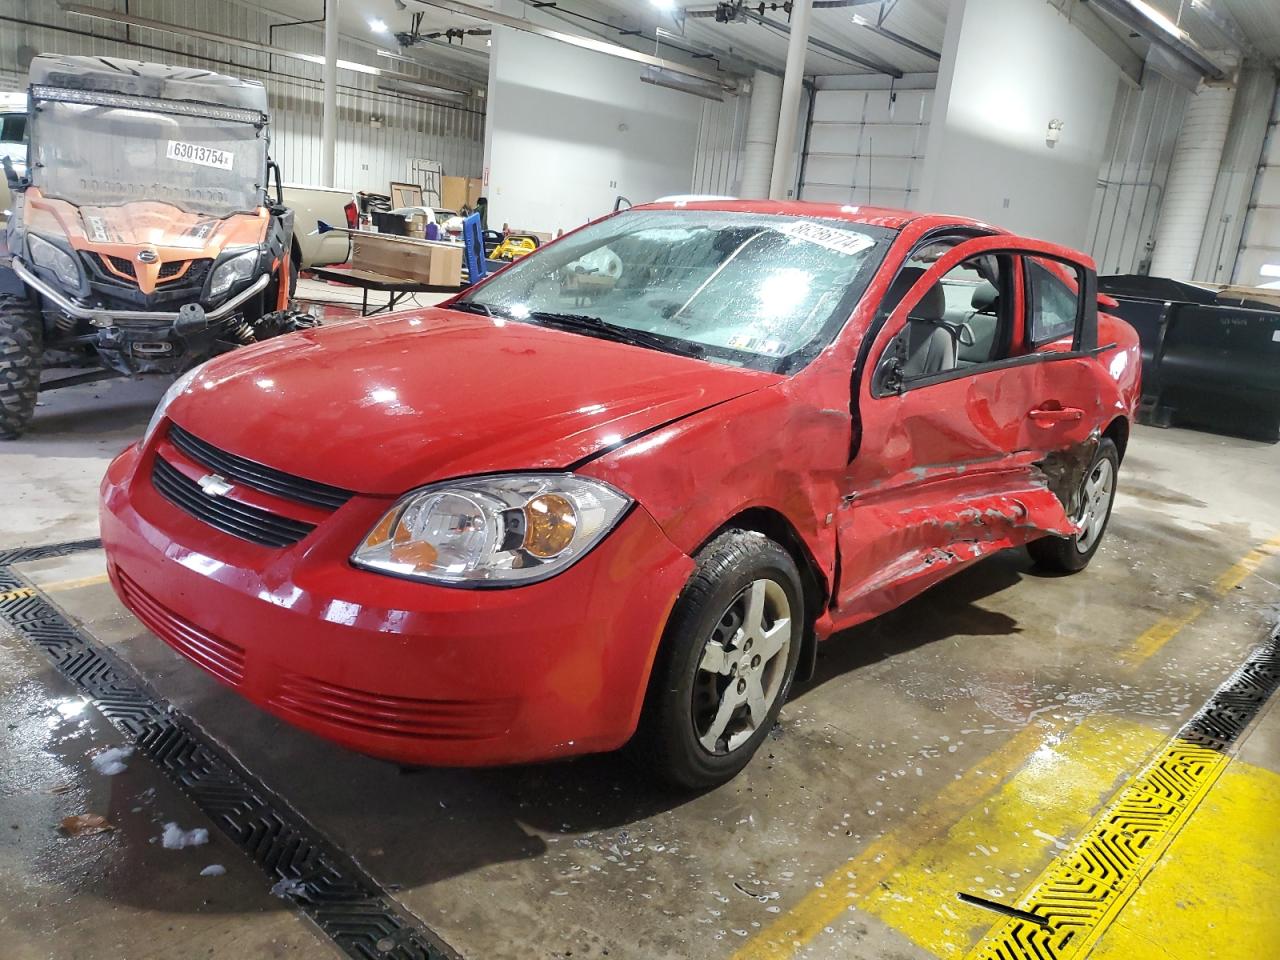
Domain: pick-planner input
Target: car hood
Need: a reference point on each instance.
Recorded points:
(384, 405)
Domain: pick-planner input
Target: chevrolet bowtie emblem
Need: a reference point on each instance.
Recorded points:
(214, 485)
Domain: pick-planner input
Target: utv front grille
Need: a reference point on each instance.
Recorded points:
(118, 276)
(251, 474)
(222, 513)
(119, 266)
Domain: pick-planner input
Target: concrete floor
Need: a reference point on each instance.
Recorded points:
(956, 744)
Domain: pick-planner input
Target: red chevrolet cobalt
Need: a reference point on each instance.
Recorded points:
(622, 488)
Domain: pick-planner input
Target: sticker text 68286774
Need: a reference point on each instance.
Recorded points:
(195, 153)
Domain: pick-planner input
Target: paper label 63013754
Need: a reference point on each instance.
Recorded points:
(195, 153)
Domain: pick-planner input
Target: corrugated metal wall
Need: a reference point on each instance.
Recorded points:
(1260, 245)
(378, 132)
(867, 146)
(1144, 127)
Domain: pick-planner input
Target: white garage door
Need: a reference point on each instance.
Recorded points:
(867, 147)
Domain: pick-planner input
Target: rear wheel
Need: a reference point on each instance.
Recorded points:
(1097, 494)
(726, 662)
(21, 345)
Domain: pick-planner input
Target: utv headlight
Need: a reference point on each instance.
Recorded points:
(54, 258)
(176, 389)
(230, 272)
(492, 530)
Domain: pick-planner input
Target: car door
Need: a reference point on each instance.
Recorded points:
(956, 457)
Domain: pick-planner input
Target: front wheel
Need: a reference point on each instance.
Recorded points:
(726, 662)
(1097, 494)
(21, 346)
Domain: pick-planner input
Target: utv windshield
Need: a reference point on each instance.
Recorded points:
(95, 155)
(758, 290)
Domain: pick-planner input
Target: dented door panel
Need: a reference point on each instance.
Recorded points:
(982, 459)
(904, 526)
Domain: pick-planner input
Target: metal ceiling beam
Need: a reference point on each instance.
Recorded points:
(822, 45)
(577, 40)
(880, 29)
(114, 16)
(1181, 46)
(733, 62)
(817, 44)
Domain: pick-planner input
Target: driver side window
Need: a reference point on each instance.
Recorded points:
(962, 321)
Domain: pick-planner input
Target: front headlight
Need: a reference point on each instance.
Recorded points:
(54, 258)
(230, 272)
(492, 530)
(175, 390)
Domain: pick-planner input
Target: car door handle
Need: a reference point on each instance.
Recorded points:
(1048, 415)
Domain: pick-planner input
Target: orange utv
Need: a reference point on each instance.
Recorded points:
(146, 236)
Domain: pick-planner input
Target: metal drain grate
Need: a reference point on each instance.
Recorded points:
(1083, 889)
(348, 905)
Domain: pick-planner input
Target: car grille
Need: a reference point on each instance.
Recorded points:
(238, 519)
(382, 714)
(256, 475)
(222, 659)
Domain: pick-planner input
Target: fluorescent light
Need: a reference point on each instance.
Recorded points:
(1270, 270)
(666, 6)
(1158, 18)
(377, 26)
(344, 64)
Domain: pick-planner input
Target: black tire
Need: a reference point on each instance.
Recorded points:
(21, 346)
(667, 742)
(1064, 554)
(295, 268)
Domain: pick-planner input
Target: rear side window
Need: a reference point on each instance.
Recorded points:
(13, 127)
(1053, 304)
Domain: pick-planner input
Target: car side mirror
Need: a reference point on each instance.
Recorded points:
(890, 377)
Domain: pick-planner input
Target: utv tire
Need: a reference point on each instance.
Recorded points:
(21, 346)
(685, 700)
(1098, 493)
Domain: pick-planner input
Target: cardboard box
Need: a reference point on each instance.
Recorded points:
(459, 192)
(439, 264)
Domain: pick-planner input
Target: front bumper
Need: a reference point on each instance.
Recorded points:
(106, 317)
(411, 672)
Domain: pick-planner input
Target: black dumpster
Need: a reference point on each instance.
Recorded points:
(1209, 360)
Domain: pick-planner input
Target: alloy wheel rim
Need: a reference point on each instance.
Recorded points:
(742, 667)
(1099, 488)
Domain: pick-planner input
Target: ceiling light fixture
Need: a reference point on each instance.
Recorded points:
(1158, 18)
(377, 26)
(344, 64)
(666, 6)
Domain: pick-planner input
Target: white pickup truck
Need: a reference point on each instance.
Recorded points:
(310, 204)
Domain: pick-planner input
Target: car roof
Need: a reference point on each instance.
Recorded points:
(890, 217)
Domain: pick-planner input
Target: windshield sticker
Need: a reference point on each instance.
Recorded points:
(204, 156)
(841, 241)
(761, 345)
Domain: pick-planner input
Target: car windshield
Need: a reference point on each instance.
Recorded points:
(101, 156)
(759, 290)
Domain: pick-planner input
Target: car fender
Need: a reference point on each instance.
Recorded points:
(767, 450)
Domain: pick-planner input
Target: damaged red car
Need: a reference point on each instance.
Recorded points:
(620, 490)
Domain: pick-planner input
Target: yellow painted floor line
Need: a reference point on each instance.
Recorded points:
(1083, 890)
(58, 585)
(1000, 844)
(860, 875)
(1151, 641)
(1211, 896)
